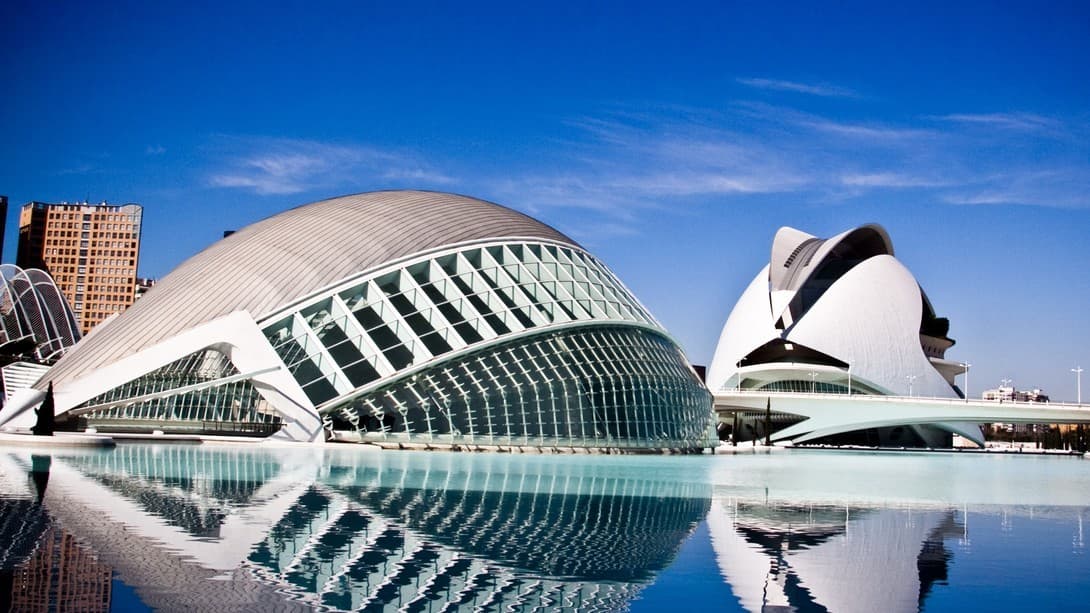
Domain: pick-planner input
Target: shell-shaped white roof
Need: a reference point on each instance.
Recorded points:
(286, 257)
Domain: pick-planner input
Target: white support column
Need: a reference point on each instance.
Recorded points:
(562, 294)
(442, 281)
(393, 319)
(601, 305)
(317, 353)
(430, 311)
(509, 286)
(484, 291)
(358, 337)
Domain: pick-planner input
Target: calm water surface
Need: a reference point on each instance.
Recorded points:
(194, 527)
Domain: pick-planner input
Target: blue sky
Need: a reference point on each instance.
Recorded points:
(672, 140)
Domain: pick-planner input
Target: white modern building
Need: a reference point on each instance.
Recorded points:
(840, 316)
(398, 317)
(36, 322)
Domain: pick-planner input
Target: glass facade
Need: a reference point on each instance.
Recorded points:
(401, 319)
(231, 407)
(505, 344)
(610, 387)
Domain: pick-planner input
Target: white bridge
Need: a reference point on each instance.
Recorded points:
(828, 414)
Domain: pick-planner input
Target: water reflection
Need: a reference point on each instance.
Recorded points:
(208, 528)
(351, 531)
(825, 558)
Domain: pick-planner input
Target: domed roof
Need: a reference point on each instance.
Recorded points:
(286, 257)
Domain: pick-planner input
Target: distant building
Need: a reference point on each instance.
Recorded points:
(142, 287)
(91, 250)
(1009, 394)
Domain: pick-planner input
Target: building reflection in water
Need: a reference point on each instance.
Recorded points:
(783, 557)
(351, 531)
(43, 567)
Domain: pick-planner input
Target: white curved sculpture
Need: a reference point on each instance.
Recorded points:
(840, 315)
(35, 320)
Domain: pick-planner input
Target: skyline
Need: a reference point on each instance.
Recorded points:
(672, 144)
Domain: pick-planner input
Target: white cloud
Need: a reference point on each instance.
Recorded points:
(1060, 188)
(815, 89)
(892, 179)
(288, 166)
(871, 131)
(155, 150)
(630, 162)
(1015, 121)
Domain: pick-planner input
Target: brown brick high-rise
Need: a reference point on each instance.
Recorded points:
(91, 250)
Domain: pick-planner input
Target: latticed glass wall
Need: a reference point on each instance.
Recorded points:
(233, 406)
(446, 303)
(598, 386)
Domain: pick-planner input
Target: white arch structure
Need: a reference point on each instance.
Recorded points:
(34, 316)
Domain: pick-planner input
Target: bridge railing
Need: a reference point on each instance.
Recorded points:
(880, 398)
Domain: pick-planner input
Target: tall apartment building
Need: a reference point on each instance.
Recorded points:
(91, 250)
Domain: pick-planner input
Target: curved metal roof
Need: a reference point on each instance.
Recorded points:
(286, 257)
(796, 255)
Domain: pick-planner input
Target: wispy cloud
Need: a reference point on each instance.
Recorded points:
(155, 150)
(1014, 121)
(1063, 187)
(814, 89)
(82, 168)
(892, 180)
(609, 171)
(626, 163)
(871, 131)
(289, 166)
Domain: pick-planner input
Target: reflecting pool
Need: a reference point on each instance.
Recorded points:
(206, 527)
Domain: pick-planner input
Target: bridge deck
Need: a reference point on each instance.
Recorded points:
(835, 413)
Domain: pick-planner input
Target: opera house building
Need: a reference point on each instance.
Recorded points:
(839, 316)
(402, 318)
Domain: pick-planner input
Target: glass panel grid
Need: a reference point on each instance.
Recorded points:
(576, 388)
(447, 303)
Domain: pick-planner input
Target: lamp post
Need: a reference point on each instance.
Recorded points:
(1078, 383)
(910, 378)
(850, 360)
(813, 382)
(967, 366)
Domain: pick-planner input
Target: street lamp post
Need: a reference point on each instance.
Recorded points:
(967, 366)
(813, 382)
(911, 379)
(850, 360)
(1078, 383)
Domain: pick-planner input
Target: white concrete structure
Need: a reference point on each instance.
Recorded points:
(35, 319)
(395, 317)
(839, 316)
